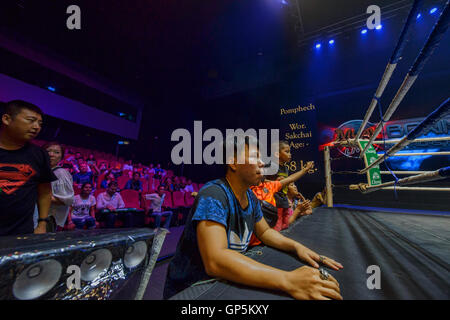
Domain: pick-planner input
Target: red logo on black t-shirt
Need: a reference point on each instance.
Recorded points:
(13, 176)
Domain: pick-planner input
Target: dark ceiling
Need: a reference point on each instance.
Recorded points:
(155, 47)
(221, 61)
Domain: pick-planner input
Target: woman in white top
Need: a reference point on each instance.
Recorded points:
(62, 189)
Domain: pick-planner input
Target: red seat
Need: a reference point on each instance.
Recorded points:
(188, 199)
(168, 200)
(200, 186)
(100, 180)
(195, 186)
(127, 173)
(144, 184)
(131, 198)
(178, 199)
(98, 191)
(122, 181)
(76, 190)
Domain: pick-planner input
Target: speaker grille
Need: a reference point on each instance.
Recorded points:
(37, 279)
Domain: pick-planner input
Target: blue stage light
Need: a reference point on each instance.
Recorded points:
(318, 45)
(363, 31)
(419, 16)
(52, 89)
(331, 42)
(379, 27)
(433, 10)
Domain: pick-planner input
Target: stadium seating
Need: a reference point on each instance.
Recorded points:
(131, 198)
(178, 199)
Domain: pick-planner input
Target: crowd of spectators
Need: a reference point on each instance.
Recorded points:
(98, 184)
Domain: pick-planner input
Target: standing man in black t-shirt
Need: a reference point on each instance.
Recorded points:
(25, 173)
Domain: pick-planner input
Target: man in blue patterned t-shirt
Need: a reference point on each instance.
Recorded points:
(218, 230)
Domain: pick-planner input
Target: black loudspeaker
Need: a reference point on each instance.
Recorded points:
(42, 266)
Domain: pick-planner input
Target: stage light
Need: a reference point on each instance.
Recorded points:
(419, 16)
(363, 31)
(318, 45)
(121, 114)
(331, 42)
(433, 10)
(52, 89)
(379, 27)
(284, 2)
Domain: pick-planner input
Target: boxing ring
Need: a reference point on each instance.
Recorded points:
(439, 113)
(408, 248)
(411, 251)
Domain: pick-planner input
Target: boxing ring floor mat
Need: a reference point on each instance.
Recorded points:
(410, 249)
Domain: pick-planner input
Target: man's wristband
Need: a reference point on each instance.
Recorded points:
(43, 219)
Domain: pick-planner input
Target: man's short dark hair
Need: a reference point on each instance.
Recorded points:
(283, 142)
(112, 183)
(85, 184)
(233, 140)
(14, 107)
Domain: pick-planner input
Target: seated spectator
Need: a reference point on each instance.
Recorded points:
(151, 170)
(160, 172)
(189, 187)
(265, 192)
(156, 209)
(84, 176)
(79, 163)
(103, 167)
(78, 156)
(298, 205)
(108, 202)
(128, 165)
(167, 184)
(117, 170)
(157, 175)
(69, 167)
(138, 168)
(320, 198)
(108, 178)
(69, 155)
(91, 160)
(176, 186)
(147, 174)
(183, 183)
(82, 211)
(135, 183)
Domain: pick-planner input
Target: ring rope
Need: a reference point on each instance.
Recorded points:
(428, 49)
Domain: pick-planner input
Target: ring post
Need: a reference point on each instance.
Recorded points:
(328, 177)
